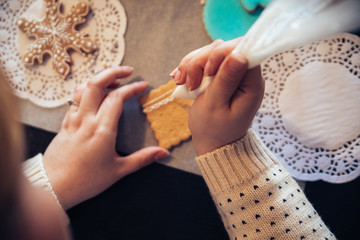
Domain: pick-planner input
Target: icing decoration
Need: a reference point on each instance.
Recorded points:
(251, 5)
(40, 84)
(310, 115)
(56, 34)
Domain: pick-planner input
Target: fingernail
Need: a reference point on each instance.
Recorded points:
(189, 84)
(139, 83)
(172, 74)
(238, 63)
(177, 77)
(240, 57)
(207, 68)
(127, 68)
(161, 154)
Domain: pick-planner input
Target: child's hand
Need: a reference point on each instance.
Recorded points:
(201, 62)
(224, 112)
(81, 161)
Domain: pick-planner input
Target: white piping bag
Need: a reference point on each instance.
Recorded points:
(287, 24)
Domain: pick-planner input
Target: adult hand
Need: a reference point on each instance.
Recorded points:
(81, 161)
(224, 112)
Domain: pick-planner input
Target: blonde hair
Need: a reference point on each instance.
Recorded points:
(11, 154)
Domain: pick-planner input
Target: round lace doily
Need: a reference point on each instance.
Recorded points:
(106, 25)
(310, 115)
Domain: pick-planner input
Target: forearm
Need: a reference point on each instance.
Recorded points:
(256, 197)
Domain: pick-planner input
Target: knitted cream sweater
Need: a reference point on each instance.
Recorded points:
(256, 197)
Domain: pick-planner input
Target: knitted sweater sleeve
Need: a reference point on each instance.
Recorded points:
(256, 197)
(34, 170)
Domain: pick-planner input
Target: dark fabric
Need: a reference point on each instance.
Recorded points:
(338, 205)
(163, 203)
(157, 202)
(36, 140)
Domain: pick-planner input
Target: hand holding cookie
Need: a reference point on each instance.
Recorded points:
(81, 161)
(224, 112)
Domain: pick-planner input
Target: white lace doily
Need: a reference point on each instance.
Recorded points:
(310, 115)
(106, 25)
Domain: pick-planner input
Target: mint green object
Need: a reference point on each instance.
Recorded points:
(251, 5)
(228, 19)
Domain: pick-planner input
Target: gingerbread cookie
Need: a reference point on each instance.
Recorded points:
(55, 34)
(168, 117)
(251, 5)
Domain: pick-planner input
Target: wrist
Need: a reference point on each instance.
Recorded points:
(57, 179)
(36, 173)
(209, 144)
(202, 148)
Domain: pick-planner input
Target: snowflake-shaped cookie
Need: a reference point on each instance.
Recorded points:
(55, 34)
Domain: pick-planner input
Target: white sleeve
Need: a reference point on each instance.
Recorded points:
(34, 170)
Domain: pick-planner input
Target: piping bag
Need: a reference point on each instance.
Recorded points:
(287, 24)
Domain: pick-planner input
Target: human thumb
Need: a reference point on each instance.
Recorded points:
(228, 78)
(140, 159)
